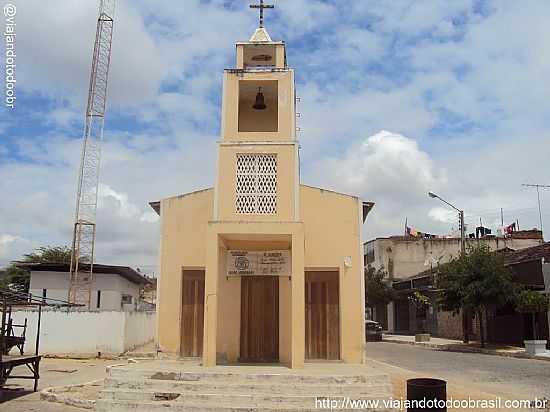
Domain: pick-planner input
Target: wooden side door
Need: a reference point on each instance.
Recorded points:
(322, 316)
(259, 319)
(192, 319)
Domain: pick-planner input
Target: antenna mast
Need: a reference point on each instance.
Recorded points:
(538, 187)
(82, 253)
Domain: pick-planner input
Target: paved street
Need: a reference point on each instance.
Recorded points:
(482, 375)
(468, 375)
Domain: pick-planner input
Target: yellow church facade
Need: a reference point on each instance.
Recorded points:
(261, 268)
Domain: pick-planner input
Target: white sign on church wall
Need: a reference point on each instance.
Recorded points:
(253, 263)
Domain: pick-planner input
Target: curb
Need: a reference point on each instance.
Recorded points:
(50, 395)
(462, 349)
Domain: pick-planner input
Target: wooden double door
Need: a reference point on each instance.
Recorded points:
(192, 320)
(259, 319)
(322, 316)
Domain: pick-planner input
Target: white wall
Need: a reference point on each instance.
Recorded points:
(78, 332)
(112, 287)
(139, 328)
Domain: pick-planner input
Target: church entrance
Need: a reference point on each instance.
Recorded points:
(192, 319)
(322, 316)
(259, 319)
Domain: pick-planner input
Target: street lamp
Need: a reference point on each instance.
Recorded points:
(462, 252)
(460, 219)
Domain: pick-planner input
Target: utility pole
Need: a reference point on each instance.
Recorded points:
(465, 315)
(538, 187)
(84, 229)
(462, 232)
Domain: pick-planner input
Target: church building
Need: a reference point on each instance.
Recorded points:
(261, 268)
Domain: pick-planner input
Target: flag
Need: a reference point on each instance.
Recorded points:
(411, 231)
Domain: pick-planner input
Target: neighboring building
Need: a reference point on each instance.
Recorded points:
(502, 325)
(261, 268)
(531, 258)
(149, 292)
(115, 288)
(404, 256)
(409, 258)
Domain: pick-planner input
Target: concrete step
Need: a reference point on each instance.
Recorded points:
(225, 377)
(266, 387)
(231, 389)
(254, 399)
(105, 405)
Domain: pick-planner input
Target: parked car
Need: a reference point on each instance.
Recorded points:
(373, 331)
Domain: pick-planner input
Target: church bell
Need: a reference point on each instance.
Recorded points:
(260, 101)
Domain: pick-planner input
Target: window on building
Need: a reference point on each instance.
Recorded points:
(126, 299)
(256, 184)
(44, 293)
(98, 299)
(369, 253)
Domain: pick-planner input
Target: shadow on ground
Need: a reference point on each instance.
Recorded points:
(9, 393)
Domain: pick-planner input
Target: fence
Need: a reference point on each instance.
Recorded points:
(87, 333)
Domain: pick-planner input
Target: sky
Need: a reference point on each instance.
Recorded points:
(396, 98)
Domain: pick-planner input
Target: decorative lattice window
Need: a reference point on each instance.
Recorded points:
(256, 185)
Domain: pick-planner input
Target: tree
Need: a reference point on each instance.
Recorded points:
(49, 254)
(422, 302)
(15, 279)
(378, 291)
(474, 281)
(18, 279)
(529, 301)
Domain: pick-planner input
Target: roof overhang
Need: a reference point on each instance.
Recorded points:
(367, 207)
(124, 271)
(155, 206)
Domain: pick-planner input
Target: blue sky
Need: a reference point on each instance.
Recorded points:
(460, 90)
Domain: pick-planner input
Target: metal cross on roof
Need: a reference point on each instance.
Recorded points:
(262, 6)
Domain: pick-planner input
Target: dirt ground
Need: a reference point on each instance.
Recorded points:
(17, 395)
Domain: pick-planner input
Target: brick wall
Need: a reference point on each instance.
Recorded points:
(449, 325)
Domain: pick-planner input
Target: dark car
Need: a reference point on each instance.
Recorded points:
(373, 331)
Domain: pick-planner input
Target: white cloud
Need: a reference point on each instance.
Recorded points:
(387, 168)
(384, 163)
(123, 207)
(464, 95)
(149, 217)
(443, 215)
(11, 245)
(120, 204)
(55, 41)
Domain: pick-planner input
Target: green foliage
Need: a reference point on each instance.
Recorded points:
(529, 301)
(420, 300)
(49, 254)
(476, 280)
(378, 291)
(14, 278)
(18, 279)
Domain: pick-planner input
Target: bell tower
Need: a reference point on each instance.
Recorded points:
(258, 173)
(245, 262)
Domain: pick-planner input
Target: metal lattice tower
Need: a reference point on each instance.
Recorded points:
(82, 256)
